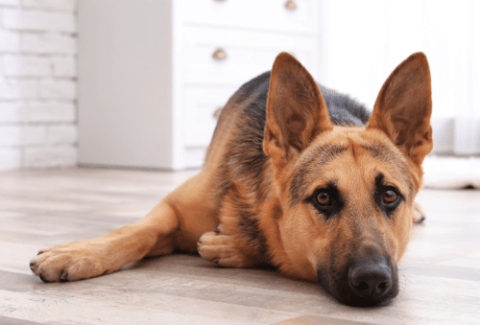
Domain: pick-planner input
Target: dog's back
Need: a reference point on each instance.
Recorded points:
(251, 100)
(343, 109)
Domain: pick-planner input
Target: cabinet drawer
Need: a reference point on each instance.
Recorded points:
(246, 54)
(296, 16)
(199, 107)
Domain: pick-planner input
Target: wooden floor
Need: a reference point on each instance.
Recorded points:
(440, 274)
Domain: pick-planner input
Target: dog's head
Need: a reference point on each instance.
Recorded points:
(347, 193)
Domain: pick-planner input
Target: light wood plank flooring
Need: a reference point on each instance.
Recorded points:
(440, 274)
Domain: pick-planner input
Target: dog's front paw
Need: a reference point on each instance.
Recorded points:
(418, 214)
(67, 262)
(216, 247)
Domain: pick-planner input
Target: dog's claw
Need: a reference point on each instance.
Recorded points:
(64, 276)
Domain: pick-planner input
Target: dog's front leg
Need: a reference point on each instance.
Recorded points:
(89, 258)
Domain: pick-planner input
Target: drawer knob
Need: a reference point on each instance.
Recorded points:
(217, 112)
(290, 5)
(219, 54)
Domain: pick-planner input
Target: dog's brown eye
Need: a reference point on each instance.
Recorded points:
(389, 196)
(327, 200)
(323, 198)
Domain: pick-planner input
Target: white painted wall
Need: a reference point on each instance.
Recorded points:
(37, 83)
(125, 83)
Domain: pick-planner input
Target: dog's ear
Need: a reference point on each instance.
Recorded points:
(404, 106)
(296, 111)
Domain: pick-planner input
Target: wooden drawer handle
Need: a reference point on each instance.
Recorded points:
(217, 112)
(219, 54)
(290, 5)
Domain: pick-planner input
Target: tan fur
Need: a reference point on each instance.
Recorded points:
(294, 237)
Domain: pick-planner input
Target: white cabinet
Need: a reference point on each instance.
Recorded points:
(298, 16)
(153, 73)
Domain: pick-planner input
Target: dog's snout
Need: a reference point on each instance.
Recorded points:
(371, 280)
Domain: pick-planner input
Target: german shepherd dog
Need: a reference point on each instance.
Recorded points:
(298, 177)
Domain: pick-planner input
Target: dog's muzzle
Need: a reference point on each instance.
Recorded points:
(367, 280)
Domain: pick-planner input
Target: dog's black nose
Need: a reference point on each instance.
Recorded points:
(370, 279)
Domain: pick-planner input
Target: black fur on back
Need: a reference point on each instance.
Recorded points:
(342, 109)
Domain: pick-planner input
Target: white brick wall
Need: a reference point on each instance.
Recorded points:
(10, 2)
(37, 83)
(25, 66)
(44, 43)
(67, 5)
(38, 20)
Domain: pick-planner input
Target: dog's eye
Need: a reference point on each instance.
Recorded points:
(323, 198)
(327, 200)
(389, 196)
